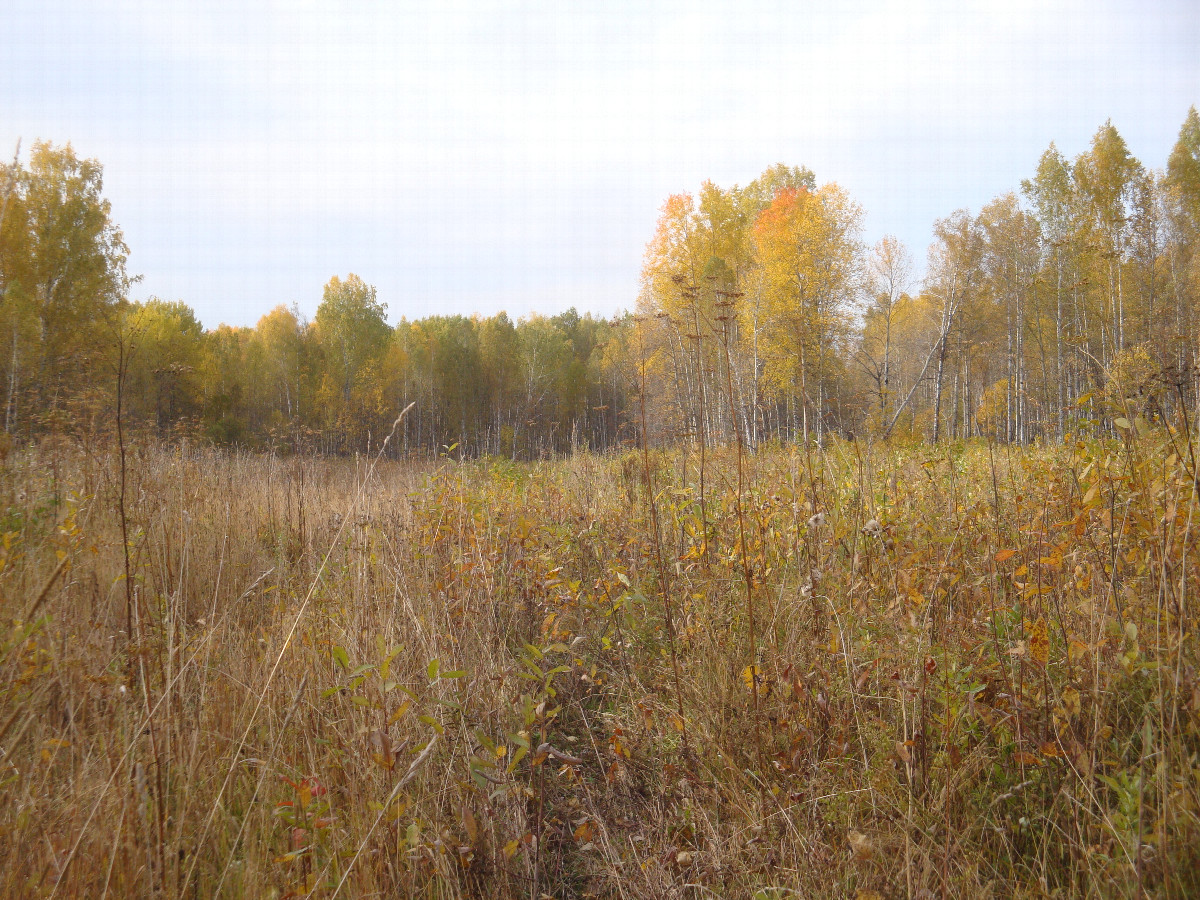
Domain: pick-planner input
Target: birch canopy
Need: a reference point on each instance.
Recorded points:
(1062, 306)
(809, 250)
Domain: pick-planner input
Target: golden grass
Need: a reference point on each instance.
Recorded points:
(975, 676)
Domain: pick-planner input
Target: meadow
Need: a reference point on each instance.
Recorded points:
(854, 670)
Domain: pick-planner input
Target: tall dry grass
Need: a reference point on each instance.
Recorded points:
(975, 675)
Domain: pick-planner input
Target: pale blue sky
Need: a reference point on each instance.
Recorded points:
(478, 156)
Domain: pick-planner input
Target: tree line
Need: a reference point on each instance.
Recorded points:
(1058, 307)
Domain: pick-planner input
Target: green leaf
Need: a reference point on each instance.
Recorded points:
(341, 657)
(433, 668)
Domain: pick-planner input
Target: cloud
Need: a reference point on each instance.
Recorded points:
(463, 149)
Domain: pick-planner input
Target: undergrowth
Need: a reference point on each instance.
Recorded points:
(974, 674)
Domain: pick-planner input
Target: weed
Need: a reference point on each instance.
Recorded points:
(972, 674)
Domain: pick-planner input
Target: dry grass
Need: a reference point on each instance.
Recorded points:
(976, 676)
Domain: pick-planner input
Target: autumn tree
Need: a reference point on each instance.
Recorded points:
(279, 337)
(1011, 263)
(500, 358)
(352, 333)
(1108, 179)
(62, 268)
(1182, 199)
(352, 328)
(166, 377)
(234, 387)
(1052, 194)
(889, 272)
(951, 284)
(809, 250)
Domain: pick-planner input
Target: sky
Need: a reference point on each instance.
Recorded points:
(472, 157)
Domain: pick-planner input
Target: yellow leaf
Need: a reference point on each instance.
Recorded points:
(755, 681)
(751, 677)
(1039, 641)
(1003, 555)
(1071, 702)
(400, 710)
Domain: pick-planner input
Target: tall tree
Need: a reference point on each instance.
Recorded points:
(279, 335)
(62, 264)
(1182, 186)
(1108, 178)
(953, 279)
(1011, 257)
(165, 380)
(1052, 192)
(889, 271)
(809, 249)
(352, 327)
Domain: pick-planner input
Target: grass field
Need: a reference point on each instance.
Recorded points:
(955, 671)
